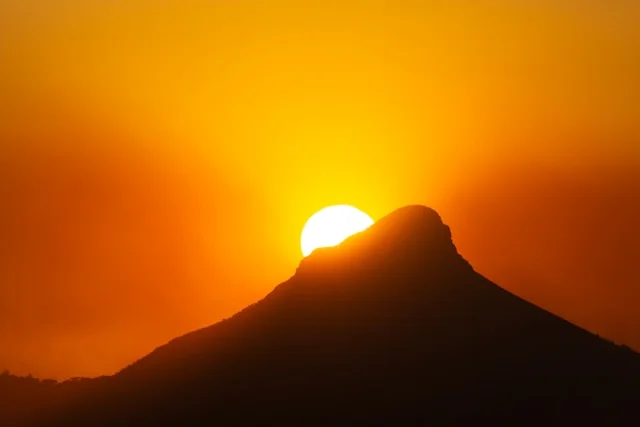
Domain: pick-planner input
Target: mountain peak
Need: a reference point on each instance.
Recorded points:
(413, 233)
(390, 327)
(413, 224)
(414, 214)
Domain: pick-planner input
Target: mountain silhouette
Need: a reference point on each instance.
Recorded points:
(391, 327)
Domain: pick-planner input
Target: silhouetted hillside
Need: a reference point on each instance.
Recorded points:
(24, 400)
(392, 327)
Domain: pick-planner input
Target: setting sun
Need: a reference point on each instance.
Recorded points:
(331, 225)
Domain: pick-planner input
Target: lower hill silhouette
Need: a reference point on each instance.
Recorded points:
(392, 327)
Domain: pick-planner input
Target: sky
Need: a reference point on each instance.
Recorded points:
(158, 159)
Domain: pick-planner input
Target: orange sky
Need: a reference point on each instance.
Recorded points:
(159, 158)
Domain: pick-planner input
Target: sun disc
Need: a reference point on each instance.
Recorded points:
(331, 225)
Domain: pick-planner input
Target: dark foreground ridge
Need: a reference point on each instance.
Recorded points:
(392, 327)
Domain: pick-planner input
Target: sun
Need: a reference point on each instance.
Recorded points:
(331, 225)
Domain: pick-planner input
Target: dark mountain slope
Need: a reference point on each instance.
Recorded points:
(391, 327)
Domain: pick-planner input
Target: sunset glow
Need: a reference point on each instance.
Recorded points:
(158, 159)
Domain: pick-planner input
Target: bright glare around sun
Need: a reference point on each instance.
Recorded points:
(331, 225)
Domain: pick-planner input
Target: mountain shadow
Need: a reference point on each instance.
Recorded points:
(392, 327)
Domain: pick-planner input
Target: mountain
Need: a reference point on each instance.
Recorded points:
(391, 327)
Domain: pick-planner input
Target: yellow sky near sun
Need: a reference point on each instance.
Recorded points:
(275, 109)
(314, 88)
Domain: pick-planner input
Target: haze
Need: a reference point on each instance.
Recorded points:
(159, 158)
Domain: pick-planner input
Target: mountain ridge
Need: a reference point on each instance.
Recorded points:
(391, 326)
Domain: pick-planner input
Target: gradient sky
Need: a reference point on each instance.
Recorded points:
(158, 158)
